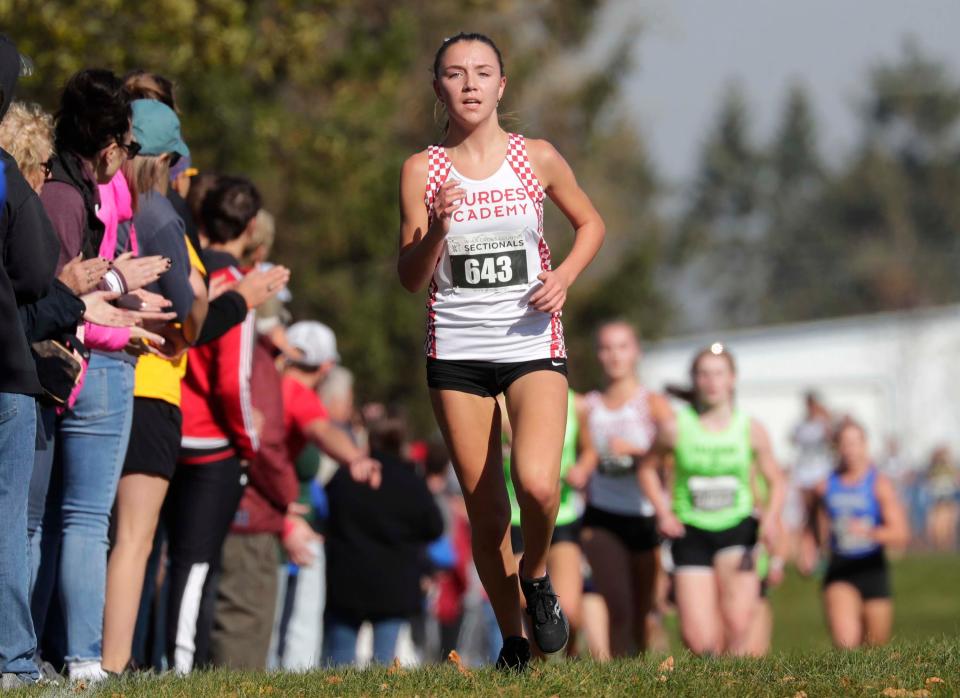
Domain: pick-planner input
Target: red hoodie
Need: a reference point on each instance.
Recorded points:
(273, 478)
(216, 402)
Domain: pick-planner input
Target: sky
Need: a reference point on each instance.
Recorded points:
(689, 50)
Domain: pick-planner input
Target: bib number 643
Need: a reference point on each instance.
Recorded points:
(489, 270)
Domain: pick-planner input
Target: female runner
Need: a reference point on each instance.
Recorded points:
(619, 530)
(472, 228)
(864, 515)
(715, 447)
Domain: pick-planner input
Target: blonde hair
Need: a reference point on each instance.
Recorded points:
(264, 233)
(147, 173)
(26, 132)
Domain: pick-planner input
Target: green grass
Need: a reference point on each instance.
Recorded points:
(926, 601)
(926, 645)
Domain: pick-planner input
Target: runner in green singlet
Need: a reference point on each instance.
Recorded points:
(710, 515)
(563, 557)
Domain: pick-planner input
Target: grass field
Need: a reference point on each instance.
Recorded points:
(923, 660)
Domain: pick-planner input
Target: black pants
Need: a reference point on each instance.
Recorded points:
(198, 512)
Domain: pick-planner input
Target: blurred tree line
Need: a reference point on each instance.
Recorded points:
(775, 232)
(319, 102)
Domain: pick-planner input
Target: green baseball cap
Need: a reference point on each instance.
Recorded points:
(157, 129)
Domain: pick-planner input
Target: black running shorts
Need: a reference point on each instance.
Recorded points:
(637, 533)
(698, 547)
(485, 378)
(564, 533)
(869, 575)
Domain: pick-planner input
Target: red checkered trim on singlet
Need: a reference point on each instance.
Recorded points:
(520, 162)
(517, 157)
(438, 169)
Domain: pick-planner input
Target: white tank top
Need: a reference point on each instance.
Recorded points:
(614, 486)
(478, 304)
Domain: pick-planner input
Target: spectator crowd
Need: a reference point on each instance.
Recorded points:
(176, 452)
(161, 425)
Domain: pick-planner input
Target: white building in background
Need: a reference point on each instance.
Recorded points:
(898, 373)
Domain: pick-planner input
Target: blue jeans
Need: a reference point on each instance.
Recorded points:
(40, 484)
(91, 446)
(340, 639)
(18, 424)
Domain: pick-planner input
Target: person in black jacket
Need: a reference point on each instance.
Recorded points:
(30, 251)
(375, 541)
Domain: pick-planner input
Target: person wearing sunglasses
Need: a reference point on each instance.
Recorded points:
(93, 139)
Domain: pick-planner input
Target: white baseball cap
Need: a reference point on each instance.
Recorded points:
(315, 340)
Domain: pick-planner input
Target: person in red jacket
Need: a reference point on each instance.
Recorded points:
(219, 437)
(268, 511)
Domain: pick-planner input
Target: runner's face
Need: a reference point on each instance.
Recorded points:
(852, 448)
(714, 381)
(617, 351)
(470, 83)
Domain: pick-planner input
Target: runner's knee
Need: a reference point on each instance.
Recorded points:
(542, 493)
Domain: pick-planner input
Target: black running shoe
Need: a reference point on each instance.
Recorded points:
(550, 627)
(514, 655)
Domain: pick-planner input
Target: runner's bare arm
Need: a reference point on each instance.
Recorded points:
(587, 459)
(561, 186)
(648, 473)
(895, 529)
(420, 243)
(767, 463)
(336, 444)
(818, 526)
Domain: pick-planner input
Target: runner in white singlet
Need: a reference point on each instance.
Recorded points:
(479, 301)
(472, 229)
(619, 534)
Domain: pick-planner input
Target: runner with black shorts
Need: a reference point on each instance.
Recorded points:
(860, 508)
(472, 230)
(619, 529)
(710, 516)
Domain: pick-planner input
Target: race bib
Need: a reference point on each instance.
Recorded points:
(847, 541)
(713, 493)
(488, 260)
(616, 465)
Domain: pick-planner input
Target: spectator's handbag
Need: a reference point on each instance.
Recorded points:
(60, 365)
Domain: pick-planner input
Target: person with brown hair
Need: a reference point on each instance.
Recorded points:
(619, 534)
(472, 230)
(93, 140)
(860, 508)
(710, 515)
